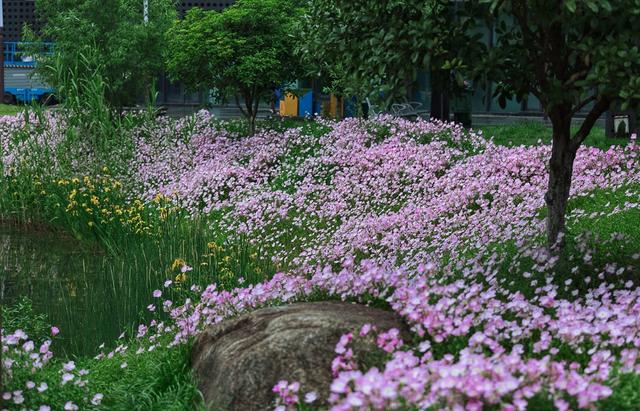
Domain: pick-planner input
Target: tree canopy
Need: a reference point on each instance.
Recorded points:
(377, 48)
(129, 51)
(244, 52)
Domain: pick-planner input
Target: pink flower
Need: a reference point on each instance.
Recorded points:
(97, 399)
(66, 377)
(69, 366)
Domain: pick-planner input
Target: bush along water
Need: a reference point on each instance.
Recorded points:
(439, 224)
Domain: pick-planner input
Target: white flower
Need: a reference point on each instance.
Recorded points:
(310, 397)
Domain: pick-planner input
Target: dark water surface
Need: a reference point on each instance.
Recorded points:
(90, 296)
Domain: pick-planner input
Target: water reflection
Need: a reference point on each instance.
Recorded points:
(90, 296)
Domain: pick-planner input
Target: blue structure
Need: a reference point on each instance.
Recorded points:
(20, 83)
(305, 105)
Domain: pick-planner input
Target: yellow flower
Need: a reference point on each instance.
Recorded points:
(178, 263)
(90, 223)
(95, 200)
(212, 245)
(180, 278)
(226, 274)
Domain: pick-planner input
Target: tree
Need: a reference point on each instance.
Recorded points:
(128, 50)
(378, 47)
(244, 52)
(571, 55)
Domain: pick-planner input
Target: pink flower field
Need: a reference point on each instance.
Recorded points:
(434, 222)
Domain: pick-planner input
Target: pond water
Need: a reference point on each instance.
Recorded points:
(90, 296)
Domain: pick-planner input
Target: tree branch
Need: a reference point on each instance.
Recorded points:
(256, 104)
(583, 104)
(244, 113)
(580, 75)
(600, 107)
(248, 101)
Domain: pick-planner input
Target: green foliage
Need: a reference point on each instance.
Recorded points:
(129, 51)
(21, 316)
(159, 378)
(244, 52)
(373, 47)
(82, 87)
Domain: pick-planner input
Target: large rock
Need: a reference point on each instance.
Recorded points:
(238, 361)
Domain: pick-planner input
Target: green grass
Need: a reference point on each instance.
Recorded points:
(154, 380)
(599, 233)
(626, 394)
(530, 133)
(9, 110)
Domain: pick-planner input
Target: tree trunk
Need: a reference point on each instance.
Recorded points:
(439, 97)
(253, 114)
(252, 125)
(249, 111)
(560, 175)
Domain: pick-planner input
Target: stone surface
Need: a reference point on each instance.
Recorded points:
(238, 361)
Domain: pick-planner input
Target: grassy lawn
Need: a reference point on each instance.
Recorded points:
(9, 110)
(529, 133)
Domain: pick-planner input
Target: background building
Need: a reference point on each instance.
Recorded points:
(184, 6)
(17, 13)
